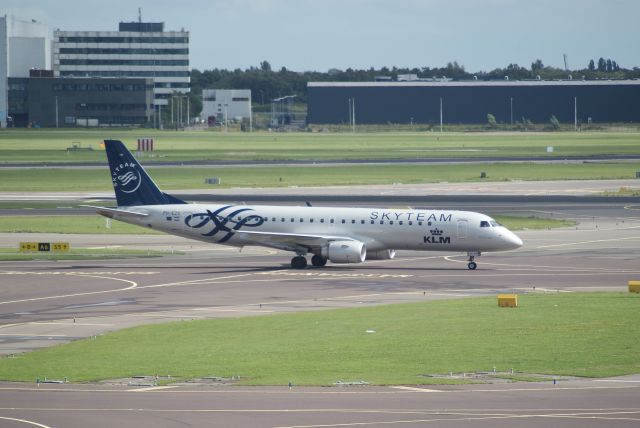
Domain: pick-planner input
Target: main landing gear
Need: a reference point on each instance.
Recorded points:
(300, 262)
(318, 261)
(472, 264)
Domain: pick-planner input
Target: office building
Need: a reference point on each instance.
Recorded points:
(137, 50)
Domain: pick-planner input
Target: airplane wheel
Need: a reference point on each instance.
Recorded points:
(299, 262)
(318, 261)
(472, 265)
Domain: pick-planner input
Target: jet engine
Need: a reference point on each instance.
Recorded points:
(381, 254)
(345, 252)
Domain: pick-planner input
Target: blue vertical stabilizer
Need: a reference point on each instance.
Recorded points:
(132, 184)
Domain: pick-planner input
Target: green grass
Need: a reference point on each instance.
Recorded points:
(89, 224)
(623, 191)
(50, 145)
(12, 180)
(96, 224)
(32, 205)
(578, 334)
(8, 254)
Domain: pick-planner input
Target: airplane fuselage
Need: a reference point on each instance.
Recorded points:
(377, 228)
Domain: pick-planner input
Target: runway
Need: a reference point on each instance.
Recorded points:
(45, 303)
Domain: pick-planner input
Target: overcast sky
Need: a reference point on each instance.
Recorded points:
(322, 34)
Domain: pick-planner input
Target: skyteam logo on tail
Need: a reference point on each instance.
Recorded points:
(126, 177)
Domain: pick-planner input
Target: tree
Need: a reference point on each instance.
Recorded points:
(537, 65)
(555, 123)
(491, 121)
(602, 64)
(265, 66)
(592, 66)
(609, 65)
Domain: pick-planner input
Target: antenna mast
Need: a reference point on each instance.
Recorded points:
(140, 20)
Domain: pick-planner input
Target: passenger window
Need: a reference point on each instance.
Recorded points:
(410, 223)
(321, 220)
(343, 221)
(310, 220)
(391, 222)
(419, 223)
(353, 222)
(301, 220)
(484, 223)
(361, 221)
(373, 222)
(381, 221)
(273, 219)
(331, 221)
(282, 219)
(292, 220)
(400, 222)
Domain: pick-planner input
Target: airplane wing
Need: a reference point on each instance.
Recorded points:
(291, 239)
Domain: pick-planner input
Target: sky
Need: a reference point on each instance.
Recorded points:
(305, 35)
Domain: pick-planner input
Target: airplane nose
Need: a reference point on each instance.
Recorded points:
(513, 239)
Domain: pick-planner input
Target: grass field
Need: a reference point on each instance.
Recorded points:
(17, 180)
(93, 224)
(97, 225)
(8, 254)
(50, 145)
(579, 334)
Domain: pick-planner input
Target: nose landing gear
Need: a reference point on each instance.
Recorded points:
(472, 255)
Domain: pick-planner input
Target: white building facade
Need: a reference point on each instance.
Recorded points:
(138, 49)
(24, 45)
(226, 104)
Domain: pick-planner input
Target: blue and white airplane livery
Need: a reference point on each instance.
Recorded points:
(336, 234)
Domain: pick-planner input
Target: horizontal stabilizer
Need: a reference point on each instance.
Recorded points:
(111, 212)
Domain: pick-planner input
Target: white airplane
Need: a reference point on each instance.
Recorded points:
(340, 235)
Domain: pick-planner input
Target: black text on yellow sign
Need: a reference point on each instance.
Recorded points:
(44, 247)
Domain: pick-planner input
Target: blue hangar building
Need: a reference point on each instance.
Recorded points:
(469, 102)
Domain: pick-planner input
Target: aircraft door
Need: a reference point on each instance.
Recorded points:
(462, 228)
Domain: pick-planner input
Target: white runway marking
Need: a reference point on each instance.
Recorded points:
(24, 421)
(33, 299)
(152, 388)
(413, 389)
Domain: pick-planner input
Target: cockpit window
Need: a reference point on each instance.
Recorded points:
(484, 223)
(494, 223)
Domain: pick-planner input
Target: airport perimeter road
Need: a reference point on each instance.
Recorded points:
(581, 403)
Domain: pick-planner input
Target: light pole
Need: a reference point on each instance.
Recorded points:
(511, 103)
(440, 114)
